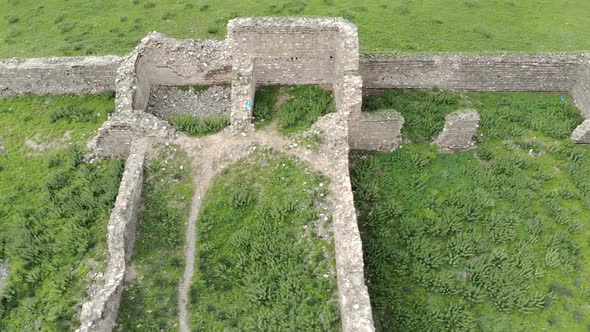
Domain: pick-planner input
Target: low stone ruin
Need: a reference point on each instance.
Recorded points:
(376, 131)
(459, 131)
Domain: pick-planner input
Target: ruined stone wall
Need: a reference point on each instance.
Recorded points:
(581, 90)
(58, 75)
(168, 61)
(159, 60)
(100, 313)
(547, 72)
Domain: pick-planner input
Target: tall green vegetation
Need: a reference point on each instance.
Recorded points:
(150, 300)
(260, 264)
(53, 209)
(194, 126)
(302, 107)
(83, 27)
(490, 239)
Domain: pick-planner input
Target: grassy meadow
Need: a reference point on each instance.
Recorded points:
(260, 263)
(80, 27)
(489, 239)
(53, 208)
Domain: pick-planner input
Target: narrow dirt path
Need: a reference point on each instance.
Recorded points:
(209, 155)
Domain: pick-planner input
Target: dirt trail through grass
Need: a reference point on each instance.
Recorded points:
(211, 154)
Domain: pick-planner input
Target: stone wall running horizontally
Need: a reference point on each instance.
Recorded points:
(100, 312)
(58, 75)
(507, 72)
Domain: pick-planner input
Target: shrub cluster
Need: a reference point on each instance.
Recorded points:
(199, 126)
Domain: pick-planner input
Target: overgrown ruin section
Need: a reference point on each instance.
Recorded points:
(90, 74)
(157, 61)
(100, 313)
(459, 131)
(261, 51)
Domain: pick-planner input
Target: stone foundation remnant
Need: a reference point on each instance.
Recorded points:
(459, 131)
(100, 312)
(376, 131)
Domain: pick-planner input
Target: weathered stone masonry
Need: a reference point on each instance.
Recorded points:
(58, 75)
(506, 72)
(100, 313)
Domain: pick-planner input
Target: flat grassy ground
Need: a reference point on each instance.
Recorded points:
(80, 27)
(53, 207)
(150, 298)
(260, 263)
(490, 239)
(301, 106)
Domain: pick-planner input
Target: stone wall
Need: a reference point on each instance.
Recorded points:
(58, 75)
(100, 313)
(160, 60)
(286, 50)
(547, 72)
(116, 136)
(353, 296)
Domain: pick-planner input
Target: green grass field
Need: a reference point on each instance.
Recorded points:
(53, 207)
(490, 239)
(150, 299)
(260, 264)
(79, 27)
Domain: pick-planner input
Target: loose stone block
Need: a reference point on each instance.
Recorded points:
(581, 134)
(459, 131)
(375, 131)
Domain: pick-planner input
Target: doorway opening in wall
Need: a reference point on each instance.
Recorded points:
(292, 108)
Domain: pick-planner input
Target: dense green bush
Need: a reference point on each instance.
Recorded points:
(257, 266)
(199, 126)
(489, 239)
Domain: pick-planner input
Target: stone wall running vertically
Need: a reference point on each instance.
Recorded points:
(100, 313)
